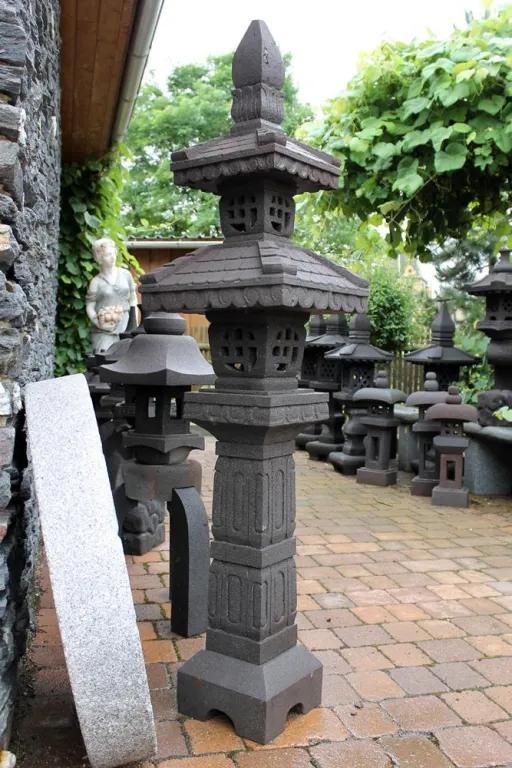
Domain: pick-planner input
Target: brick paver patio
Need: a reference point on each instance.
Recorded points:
(406, 604)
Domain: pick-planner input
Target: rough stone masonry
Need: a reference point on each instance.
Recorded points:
(29, 227)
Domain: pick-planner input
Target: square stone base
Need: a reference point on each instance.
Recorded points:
(421, 486)
(257, 698)
(380, 477)
(450, 497)
(344, 463)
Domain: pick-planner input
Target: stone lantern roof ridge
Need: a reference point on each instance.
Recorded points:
(441, 349)
(497, 280)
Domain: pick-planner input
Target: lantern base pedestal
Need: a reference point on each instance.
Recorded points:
(380, 477)
(306, 437)
(422, 486)
(257, 698)
(450, 497)
(320, 450)
(344, 463)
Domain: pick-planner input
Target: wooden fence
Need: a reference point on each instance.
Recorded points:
(402, 375)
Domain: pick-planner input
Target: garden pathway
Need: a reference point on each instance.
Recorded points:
(408, 606)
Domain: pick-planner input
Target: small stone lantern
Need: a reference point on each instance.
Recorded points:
(442, 357)
(497, 325)
(428, 464)
(380, 442)
(327, 379)
(451, 445)
(257, 290)
(159, 367)
(317, 327)
(358, 360)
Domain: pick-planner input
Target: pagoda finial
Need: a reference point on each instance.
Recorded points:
(443, 327)
(258, 76)
(359, 328)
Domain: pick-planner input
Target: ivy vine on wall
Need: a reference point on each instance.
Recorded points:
(90, 209)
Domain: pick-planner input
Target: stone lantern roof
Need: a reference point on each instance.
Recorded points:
(453, 410)
(256, 170)
(380, 392)
(161, 357)
(358, 348)
(498, 280)
(336, 334)
(441, 350)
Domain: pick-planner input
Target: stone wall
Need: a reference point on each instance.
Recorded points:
(29, 223)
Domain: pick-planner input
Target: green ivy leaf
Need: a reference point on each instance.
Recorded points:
(92, 221)
(414, 106)
(449, 96)
(408, 179)
(493, 105)
(450, 159)
(439, 135)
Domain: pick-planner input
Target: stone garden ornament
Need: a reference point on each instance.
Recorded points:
(257, 289)
(111, 298)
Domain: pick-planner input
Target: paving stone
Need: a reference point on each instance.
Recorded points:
(371, 597)
(421, 713)
(320, 639)
(329, 619)
(214, 735)
(497, 671)
(363, 754)
(407, 612)
(502, 695)
(406, 655)
(458, 675)
(474, 707)
(212, 761)
(415, 752)
(504, 729)
(369, 635)
(374, 686)
(275, 758)
(333, 600)
(303, 730)
(491, 645)
(373, 614)
(445, 609)
(366, 657)
(417, 680)
(449, 650)
(406, 632)
(367, 722)
(474, 747)
(336, 690)
(441, 629)
(481, 625)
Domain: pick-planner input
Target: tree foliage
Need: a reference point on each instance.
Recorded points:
(90, 209)
(195, 107)
(424, 133)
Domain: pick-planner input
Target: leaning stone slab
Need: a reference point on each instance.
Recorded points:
(88, 574)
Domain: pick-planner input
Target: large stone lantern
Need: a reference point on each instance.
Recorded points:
(257, 290)
(497, 325)
(442, 357)
(357, 361)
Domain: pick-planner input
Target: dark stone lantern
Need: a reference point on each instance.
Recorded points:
(442, 357)
(257, 290)
(451, 445)
(497, 325)
(428, 464)
(317, 327)
(358, 359)
(327, 378)
(380, 441)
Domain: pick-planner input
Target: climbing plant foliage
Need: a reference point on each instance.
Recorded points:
(90, 209)
(424, 133)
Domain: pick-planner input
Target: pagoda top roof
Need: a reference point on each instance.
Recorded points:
(499, 278)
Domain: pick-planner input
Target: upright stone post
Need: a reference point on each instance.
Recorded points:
(426, 430)
(257, 290)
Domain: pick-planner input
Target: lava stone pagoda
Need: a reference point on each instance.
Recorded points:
(497, 325)
(257, 289)
(441, 356)
(357, 361)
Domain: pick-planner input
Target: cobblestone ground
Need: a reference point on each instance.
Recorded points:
(406, 604)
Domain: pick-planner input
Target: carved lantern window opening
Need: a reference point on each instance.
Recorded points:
(239, 350)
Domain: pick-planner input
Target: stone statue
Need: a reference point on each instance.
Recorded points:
(111, 295)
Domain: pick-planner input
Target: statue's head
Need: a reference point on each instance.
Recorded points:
(105, 251)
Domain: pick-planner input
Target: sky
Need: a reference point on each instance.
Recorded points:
(325, 37)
